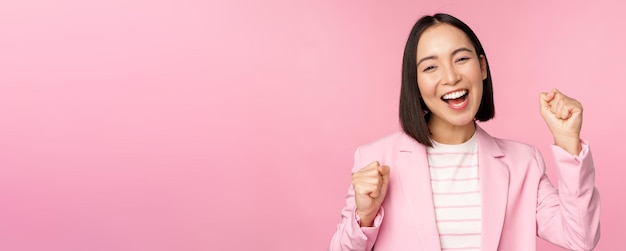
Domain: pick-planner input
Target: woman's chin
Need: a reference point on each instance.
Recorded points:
(461, 121)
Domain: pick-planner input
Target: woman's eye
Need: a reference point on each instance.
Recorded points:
(428, 68)
(462, 59)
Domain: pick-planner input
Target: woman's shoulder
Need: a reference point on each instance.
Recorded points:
(509, 146)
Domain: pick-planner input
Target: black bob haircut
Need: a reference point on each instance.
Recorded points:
(414, 113)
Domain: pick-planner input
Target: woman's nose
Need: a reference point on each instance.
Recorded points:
(451, 75)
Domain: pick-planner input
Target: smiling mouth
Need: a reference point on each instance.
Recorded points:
(455, 97)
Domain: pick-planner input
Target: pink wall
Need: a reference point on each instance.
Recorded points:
(187, 125)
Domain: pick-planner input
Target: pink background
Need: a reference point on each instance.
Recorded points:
(231, 125)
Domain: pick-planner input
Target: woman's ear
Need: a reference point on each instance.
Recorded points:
(483, 66)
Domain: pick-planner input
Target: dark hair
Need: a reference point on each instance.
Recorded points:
(414, 113)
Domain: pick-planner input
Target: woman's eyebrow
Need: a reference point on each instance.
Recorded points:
(435, 57)
(460, 50)
(424, 59)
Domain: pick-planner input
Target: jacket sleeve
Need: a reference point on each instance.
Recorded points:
(570, 216)
(349, 234)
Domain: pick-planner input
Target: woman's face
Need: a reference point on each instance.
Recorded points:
(449, 75)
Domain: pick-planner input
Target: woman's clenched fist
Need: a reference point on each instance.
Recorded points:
(370, 188)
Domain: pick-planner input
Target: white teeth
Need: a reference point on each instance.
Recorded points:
(454, 95)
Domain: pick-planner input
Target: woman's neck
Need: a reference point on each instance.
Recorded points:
(451, 134)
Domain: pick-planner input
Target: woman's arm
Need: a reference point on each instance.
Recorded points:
(350, 235)
(570, 216)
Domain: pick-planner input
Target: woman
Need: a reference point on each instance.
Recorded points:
(443, 183)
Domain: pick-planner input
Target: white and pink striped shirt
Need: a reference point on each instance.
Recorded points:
(456, 194)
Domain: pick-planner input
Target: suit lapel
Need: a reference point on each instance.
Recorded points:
(494, 185)
(416, 184)
(415, 181)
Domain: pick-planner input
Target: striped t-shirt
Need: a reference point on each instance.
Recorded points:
(456, 194)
